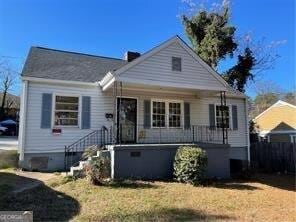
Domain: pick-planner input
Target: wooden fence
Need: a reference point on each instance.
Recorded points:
(273, 157)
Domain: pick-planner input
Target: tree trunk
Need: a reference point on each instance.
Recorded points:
(2, 109)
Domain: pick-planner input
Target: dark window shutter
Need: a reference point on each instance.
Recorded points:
(46, 110)
(234, 117)
(187, 115)
(85, 114)
(147, 114)
(212, 115)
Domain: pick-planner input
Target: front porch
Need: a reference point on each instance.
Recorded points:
(156, 120)
(163, 115)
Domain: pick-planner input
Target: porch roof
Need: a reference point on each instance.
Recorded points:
(154, 86)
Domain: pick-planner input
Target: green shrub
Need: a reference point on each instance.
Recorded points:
(190, 165)
(8, 159)
(97, 170)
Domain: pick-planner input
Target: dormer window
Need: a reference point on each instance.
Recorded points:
(176, 64)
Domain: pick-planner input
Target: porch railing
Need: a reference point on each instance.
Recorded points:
(126, 133)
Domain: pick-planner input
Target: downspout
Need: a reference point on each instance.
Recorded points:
(248, 133)
(23, 118)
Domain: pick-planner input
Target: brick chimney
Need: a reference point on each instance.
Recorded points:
(130, 56)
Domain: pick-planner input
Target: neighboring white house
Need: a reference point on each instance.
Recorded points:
(167, 95)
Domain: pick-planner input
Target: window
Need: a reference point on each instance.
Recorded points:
(66, 111)
(174, 114)
(226, 116)
(158, 114)
(176, 64)
(166, 114)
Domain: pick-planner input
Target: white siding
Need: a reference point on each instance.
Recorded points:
(158, 69)
(42, 140)
(199, 112)
(39, 140)
(236, 138)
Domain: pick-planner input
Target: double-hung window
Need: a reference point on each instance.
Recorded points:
(166, 114)
(226, 116)
(66, 111)
(158, 114)
(174, 114)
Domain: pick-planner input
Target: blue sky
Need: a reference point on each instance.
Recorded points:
(110, 28)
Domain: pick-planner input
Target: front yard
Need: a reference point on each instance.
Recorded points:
(264, 198)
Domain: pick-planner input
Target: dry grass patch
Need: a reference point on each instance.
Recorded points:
(265, 198)
(231, 200)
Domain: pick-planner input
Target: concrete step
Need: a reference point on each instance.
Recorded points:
(78, 171)
(83, 163)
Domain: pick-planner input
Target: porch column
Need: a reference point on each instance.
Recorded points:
(223, 108)
(117, 106)
(114, 130)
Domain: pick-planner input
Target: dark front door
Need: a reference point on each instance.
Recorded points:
(127, 120)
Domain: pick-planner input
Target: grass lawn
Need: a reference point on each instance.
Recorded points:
(264, 198)
(8, 158)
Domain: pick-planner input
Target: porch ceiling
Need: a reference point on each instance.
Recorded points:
(126, 86)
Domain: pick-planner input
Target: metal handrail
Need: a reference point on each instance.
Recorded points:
(81, 139)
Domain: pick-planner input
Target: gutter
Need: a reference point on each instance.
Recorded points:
(57, 81)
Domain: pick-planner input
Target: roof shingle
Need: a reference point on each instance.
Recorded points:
(63, 65)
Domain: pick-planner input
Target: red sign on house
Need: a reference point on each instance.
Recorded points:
(56, 131)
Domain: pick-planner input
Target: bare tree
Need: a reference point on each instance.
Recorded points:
(7, 80)
(267, 86)
(264, 52)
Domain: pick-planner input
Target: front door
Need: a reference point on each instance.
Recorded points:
(127, 120)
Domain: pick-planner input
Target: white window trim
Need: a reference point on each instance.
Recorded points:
(54, 109)
(181, 115)
(230, 115)
(167, 101)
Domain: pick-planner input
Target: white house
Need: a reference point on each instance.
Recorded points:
(165, 96)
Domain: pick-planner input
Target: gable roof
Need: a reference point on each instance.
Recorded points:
(277, 104)
(118, 74)
(45, 63)
(63, 65)
(164, 45)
